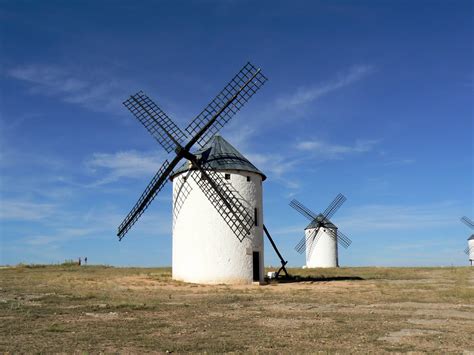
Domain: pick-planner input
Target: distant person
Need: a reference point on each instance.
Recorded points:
(85, 260)
(79, 262)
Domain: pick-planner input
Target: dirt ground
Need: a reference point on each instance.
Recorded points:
(133, 310)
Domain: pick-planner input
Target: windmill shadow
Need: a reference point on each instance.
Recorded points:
(297, 278)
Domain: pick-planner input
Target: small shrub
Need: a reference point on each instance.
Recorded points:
(69, 262)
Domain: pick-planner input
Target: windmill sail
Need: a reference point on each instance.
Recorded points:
(303, 210)
(181, 193)
(161, 127)
(467, 221)
(334, 206)
(155, 186)
(312, 242)
(305, 241)
(227, 103)
(223, 197)
(340, 237)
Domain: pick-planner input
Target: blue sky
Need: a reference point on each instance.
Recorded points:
(372, 99)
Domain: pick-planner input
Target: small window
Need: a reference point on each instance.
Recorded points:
(184, 178)
(248, 178)
(203, 177)
(227, 176)
(255, 216)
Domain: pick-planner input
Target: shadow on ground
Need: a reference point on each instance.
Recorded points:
(296, 278)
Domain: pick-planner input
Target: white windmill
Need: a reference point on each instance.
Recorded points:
(470, 241)
(324, 233)
(205, 249)
(217, 193)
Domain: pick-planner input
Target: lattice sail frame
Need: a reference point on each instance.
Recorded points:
(301, 246)
(235, 214)
(467, 221)
(229, 101)
(333, 207)
(141, 204)
(161, 127)
(340, 237)
(219, 102)
(303, 210)
(181, 193)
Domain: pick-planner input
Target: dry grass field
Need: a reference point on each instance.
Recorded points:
(134, 310)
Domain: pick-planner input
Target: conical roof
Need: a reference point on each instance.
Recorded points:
(471, 237)
(326, 224)
(218, 154)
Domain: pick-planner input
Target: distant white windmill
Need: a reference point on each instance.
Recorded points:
(324, 233)
(470, 241)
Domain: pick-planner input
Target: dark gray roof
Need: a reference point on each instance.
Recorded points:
(471, 237)
(219, 154)
(319, 218)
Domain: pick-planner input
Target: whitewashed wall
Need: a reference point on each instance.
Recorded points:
(470, 245)
(324, 253)
(205, 250)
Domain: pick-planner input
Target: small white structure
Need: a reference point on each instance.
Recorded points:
(321, 251)
(470, 246)
(205, 249)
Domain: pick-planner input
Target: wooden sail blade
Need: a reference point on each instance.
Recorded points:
(161, 127)
(155, 186)
(226, 104)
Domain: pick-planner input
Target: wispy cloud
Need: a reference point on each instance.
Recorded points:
(241, 135)
(327, 150)
(274, 164)
(399, 217)
(400, 162)
(98, 92)
(98, 225)
(289, 230)
(18, 210)
(309, 94)
(126, 164)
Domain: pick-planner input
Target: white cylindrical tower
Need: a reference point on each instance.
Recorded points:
(205, 249)
(470, 245)
(324, 253)
(321, 251)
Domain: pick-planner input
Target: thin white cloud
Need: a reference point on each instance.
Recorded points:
(98, 225)
(307, 95)
(126, 164)
(289, 230)
(274, 164)
(277, 167)
(241, 135)
(400, 162)
(18, 210)
(336, 151)
(399, 217)
(103, 94)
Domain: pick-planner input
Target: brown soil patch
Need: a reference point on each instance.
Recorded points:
(402, 335)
